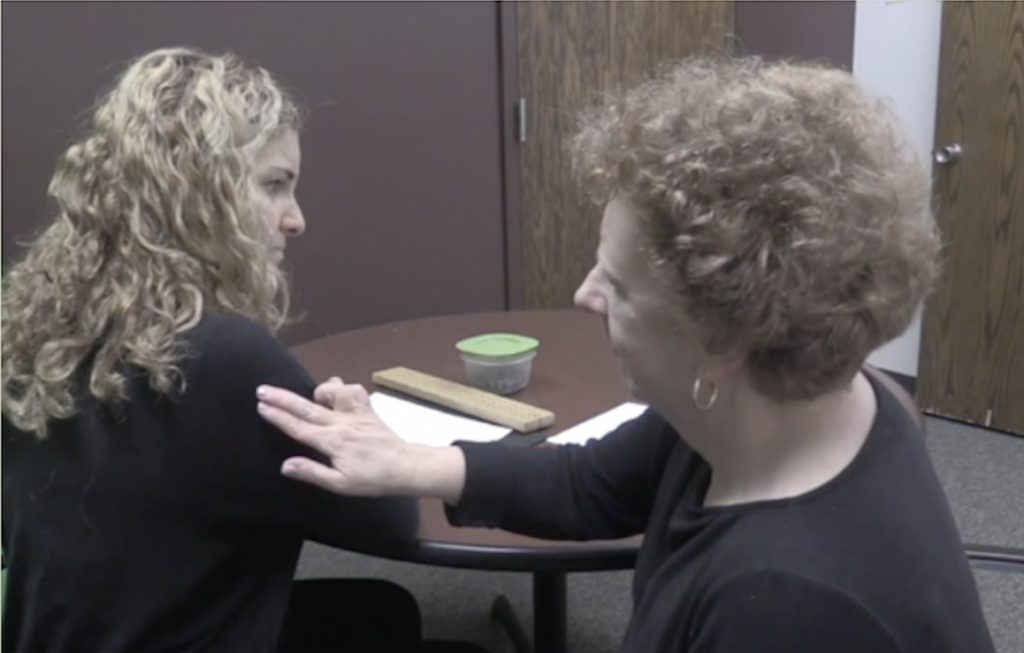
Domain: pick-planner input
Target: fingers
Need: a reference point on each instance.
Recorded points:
(326, 393)
(355, 396)
(309, 471)
(338, 396)
(291, 403)
(299, 429)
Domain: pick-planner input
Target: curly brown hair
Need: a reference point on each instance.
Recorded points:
(780, 202)
(155, 228)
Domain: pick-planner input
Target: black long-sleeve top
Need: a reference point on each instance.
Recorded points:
(871, 562)
(165, 524)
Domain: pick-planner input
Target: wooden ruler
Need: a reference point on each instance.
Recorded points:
(463, 398)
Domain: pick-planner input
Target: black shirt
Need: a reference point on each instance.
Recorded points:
(871, 562)
(165, 524)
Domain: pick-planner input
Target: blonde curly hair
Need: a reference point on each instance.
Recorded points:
(780, 202)
(156, 227)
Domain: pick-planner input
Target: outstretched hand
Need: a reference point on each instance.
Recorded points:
(366, 457)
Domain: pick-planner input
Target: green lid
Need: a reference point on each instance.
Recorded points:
(497, 345)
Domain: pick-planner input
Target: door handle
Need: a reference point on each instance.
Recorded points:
(949, 155)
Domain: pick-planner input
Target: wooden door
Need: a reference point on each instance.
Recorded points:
(569, 52)
(972, 359)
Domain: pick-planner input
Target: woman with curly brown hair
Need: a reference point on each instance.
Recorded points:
(765, 229)
(142, 505)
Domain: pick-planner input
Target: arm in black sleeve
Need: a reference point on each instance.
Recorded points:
(243, 356)
(601, 490)
(772, 610)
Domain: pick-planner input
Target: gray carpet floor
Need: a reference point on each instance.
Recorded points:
(982, 472)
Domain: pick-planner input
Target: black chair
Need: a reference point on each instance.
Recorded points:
(981, 556)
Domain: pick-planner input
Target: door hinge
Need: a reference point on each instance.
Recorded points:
(521, 120)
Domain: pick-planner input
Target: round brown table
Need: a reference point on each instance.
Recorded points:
(574, 375)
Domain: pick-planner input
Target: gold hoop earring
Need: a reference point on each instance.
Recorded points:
(697, 387)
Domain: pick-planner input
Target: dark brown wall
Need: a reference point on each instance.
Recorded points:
(403, 161)
(820, 30)
(401, 184)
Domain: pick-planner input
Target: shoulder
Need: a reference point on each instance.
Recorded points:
(648, 427)
(779, 610)
(231, 350)
(231, 335)
(647, 437)
(654, 435)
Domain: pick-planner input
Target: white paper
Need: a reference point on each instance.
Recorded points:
(601, 425)
(422, 425)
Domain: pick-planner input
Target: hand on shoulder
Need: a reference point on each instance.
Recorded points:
(366, 457)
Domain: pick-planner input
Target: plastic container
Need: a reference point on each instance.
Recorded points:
(498, 362)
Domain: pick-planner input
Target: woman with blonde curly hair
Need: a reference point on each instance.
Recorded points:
(765, 229)
(142, 505)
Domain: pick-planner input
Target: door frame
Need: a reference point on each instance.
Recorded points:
(508, 78)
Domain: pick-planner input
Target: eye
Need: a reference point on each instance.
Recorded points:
(614, 284)
(275, 186)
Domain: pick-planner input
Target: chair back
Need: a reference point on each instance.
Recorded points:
(900, 393)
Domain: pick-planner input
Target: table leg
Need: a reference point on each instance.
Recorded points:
(550, 616)
(550, 612)
(502, 611)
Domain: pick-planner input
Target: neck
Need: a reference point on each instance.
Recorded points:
(760, 449)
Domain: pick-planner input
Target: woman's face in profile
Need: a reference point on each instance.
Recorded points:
(658, 352)
(277, 174)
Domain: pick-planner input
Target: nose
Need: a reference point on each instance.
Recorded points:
(294, 223)
(588, 296)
